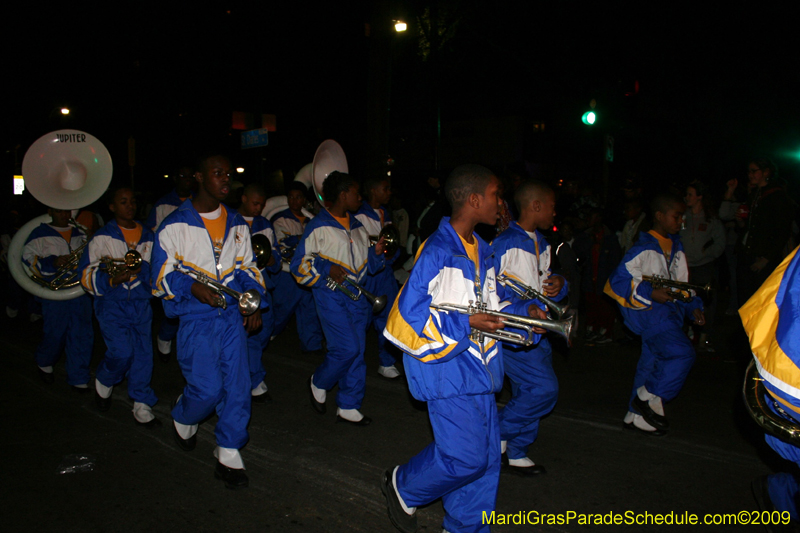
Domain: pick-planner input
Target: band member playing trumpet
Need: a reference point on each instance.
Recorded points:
(374, 215)
(253, 200)
(655, 314)
(165, 205)
(770, 320)
(524, 256)
(122, 305)
(448, 367)
(52, 252)
(289, 297)
(202, 235)
(335, 247)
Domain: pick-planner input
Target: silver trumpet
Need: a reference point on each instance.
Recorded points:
(378, 302)
(562, 327)
(249, 301)
(527, 292)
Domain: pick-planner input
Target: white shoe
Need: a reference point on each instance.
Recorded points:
(12, 313)
(165, 347)
(389, 372)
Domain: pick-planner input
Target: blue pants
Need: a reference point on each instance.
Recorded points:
(667, 357)
(384, 283)
(534, 392)
(462, 464)
(345, 325)
(127, 331)
(289, 297)
(256, 344)
(67, 323)
(212, 355)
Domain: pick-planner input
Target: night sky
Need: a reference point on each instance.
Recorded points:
(716, 84)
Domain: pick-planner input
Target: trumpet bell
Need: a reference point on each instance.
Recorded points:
(249, 302)
(328, 158)
(67, 169)
(262, 249)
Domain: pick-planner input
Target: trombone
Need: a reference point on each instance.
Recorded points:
(680, 290)
(378, 302)
(131, 261)
(249, 301)
(527, 292)
(564, 327)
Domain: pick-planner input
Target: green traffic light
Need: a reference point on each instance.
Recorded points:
(589, 118)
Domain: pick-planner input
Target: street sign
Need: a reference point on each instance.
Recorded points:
(254, 138)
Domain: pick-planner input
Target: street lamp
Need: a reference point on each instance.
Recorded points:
(400, 26)
(64, 111)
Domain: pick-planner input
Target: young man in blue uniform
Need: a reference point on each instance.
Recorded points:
(67, 323)
(335, 246)
(253, 200)
(289, 297)
(524, 256)
(204, 236)
(374, 215)
(656, 315)
(122, 306)
(450, 366)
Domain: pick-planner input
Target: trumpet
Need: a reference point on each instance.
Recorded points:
(391, 239)
(680, 290)
(262, 250)
(65, 276)
(527, 292)
(131, 261)
(249, 301)
(564, 327)
(378, 302)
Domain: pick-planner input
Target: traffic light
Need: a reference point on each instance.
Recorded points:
(589, 118)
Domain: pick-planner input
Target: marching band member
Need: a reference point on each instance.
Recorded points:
(289, 297)
(655, 314)
(203, 236)
(122, 306)
(524, 256)
(253, 200)
(449, 367)
(335, 245)
(770, 320)
(374, 215)
(49, 250)
(163, 207)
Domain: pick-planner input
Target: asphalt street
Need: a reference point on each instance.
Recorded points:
(308, 473)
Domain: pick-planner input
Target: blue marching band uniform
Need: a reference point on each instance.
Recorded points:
(770, 318)
(667, 354)
(257, 341)
(213, 356)
(124, 315)
(344, 321)
(382, 283)
(456, 375)
(289, 297)
(525, 257)
(68, 323)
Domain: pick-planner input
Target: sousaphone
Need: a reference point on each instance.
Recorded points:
(276, 204)
(328, 158)
(65, 169)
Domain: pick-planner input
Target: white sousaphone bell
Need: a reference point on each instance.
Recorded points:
(276, 204)
(65, 169)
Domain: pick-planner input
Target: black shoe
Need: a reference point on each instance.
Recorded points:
(262, 398)
(365, 421)
(80, 390)
(186, 445)
(400, 519)
(153, 424)
(47, 377)
(651, 417)
(318, 407)
(103, 404)
(656, 433)
(164, 357)
(234, 478)
(524, 471)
